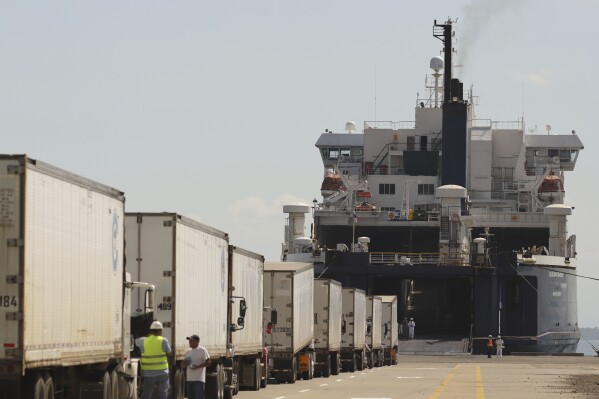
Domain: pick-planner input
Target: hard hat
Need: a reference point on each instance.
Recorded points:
(490, 336)
(499, 336)
(156, 325)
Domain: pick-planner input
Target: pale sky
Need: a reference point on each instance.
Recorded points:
(211, 109)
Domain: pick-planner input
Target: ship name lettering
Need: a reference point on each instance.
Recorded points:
(556, 274)
(557, 293)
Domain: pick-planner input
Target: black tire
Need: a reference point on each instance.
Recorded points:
(336, 365)
(326, 372)
(353, 364)
(293, 372)
(359, 361)
(312, 358)
(257, 375)
(264, 381)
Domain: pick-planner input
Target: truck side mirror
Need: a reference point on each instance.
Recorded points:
(386, 329)
(273, 316)
(343, 326)
(242, 308)
(368, 329)
(149, 301)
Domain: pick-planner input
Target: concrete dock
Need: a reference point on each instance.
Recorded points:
(455, 376)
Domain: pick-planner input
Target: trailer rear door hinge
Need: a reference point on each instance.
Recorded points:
(14, 316)
(168, 299)
(168, 273)
(168, 223)
(14, 279)
(14, 242)
(167, 324)
(15, 169)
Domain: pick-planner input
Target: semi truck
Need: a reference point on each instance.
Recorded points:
(65, 296)
(390, 329)
(327, 326)
(189, 264)
(353, 329)
(246, 332)
(374, 315)
(289, 314)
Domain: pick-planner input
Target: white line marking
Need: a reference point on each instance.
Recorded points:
(409, 377)
(323, 385)
(280, 397)
(353, 376)
(425, 368)
(362, 373)
(304, 390)
(339, 380)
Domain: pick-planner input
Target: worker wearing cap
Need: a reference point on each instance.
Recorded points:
(155, 350)
(197, 359)
(499, 344)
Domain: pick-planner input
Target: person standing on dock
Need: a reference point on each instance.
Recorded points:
(196, 360)
(155, 350)
(411, 326)
(404, 328)
(499, 344)
(489, 346)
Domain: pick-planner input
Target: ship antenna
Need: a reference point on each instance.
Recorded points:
(375, 92)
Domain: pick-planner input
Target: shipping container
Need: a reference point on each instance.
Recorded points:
(64, 319)
(390, 329)
(374, 315)
(189, 264)
(246, 332)
(353, 329)
(327, 326)
(289, 312)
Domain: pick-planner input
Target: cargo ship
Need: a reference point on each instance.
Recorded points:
(462, 218)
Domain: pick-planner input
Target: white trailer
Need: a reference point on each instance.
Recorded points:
(374, 315)
(189, 264)
(64, 317)
(353, 329)
(390, 329)
(327, 326)
(289, 313)
(246, 332)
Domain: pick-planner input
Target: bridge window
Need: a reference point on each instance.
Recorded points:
(386, 188)
(426, 189)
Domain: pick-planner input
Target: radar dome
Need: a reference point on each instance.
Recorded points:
(436, 63)
(350, 126)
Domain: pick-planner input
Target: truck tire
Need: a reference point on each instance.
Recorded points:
(48, 387)
(106, 386)
(257, 375)
(264, 381)
(360, 361)
(311, 365)
(293, 371)
(179, 385)
(114, 385)
(353, 363)
(326, 371)
(39, 388)
(336, 364)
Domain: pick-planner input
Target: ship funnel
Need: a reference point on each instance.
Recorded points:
(294, 230)
(557, 228)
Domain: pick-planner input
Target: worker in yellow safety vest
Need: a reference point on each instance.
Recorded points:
(155, 351)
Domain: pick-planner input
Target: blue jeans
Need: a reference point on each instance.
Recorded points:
(195, 390)
(161, 390)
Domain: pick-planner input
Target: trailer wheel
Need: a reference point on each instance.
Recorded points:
(48, 387)
(179, 384)
(264, 381)
(327, 366)
(106, 386)
(293, 372)
(39, 388)
(360, 361)
(311, 365)
(257, 375)
(336, 363)
(353, 365)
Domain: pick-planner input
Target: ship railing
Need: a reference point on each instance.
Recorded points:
(389, 125)
(404, 258)
(487, 215)
(497, 125)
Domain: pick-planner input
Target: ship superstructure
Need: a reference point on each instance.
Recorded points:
(462, 218)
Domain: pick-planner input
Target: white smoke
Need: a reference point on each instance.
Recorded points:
(475, 17)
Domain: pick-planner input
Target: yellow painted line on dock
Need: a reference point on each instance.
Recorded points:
(480, 392)
(441, 387)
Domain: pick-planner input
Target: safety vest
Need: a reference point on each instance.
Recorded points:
(489, 343)
(153, 357)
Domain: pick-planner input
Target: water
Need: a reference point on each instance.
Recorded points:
(584, 347)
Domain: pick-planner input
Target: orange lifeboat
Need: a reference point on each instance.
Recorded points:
(551, 188)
